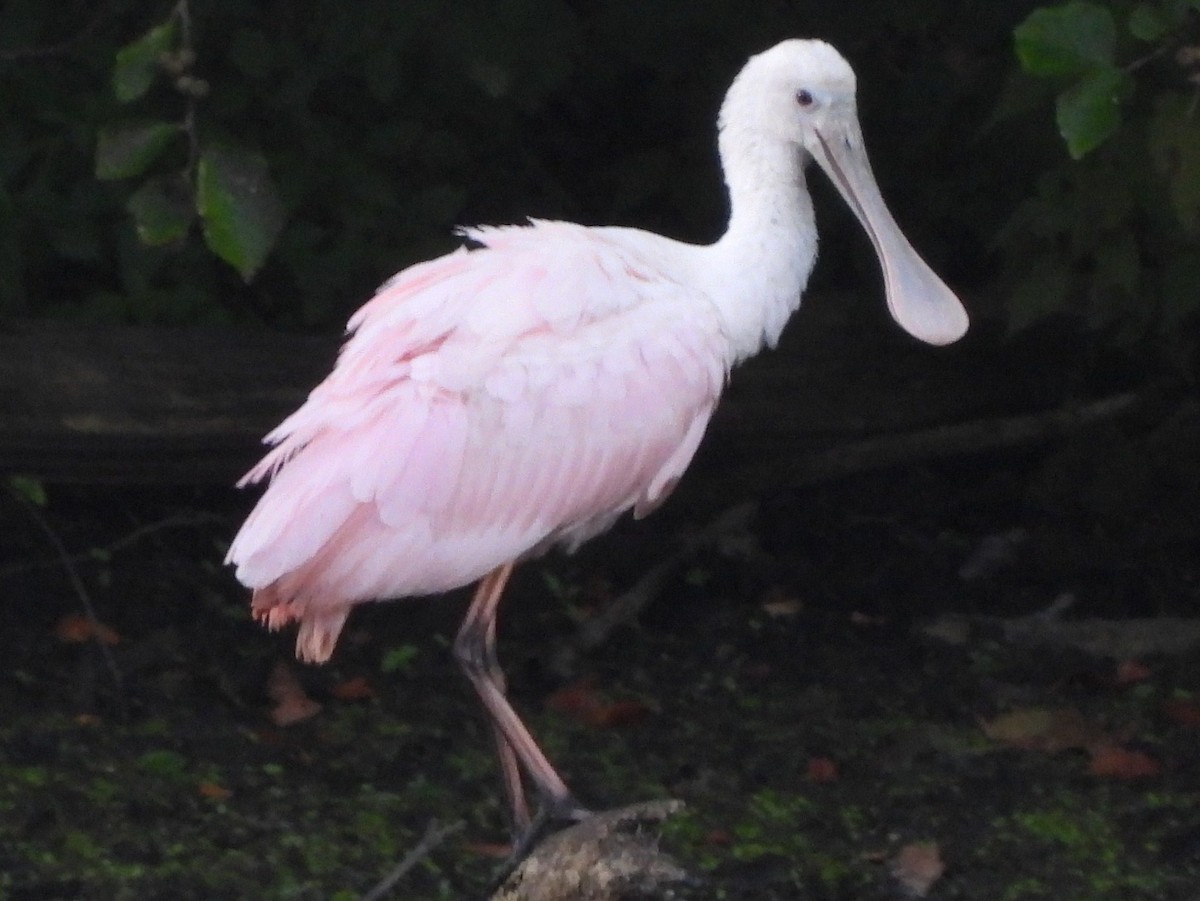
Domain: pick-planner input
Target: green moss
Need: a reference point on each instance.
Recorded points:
(853, 820)
(324, 809)
(778, 808)
(1026, 889)
(30, 776)
(1085, 848)
(832, 871)
(163, 763)
(1059, 826)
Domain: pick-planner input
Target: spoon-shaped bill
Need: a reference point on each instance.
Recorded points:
(918, 300)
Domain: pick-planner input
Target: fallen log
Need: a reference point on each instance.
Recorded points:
(189, 406)
(137, 405)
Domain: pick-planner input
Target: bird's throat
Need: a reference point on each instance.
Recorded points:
(762, 263)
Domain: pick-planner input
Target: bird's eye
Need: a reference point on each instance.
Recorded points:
(804, 98)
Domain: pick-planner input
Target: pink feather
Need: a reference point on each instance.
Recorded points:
(485, 404)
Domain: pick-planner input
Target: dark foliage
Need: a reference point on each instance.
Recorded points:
(384, 124)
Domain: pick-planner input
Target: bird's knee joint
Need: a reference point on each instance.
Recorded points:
(469, 650)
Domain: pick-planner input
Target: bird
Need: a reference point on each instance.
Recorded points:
(529, 388)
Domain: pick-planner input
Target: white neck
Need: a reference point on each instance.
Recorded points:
(760, 266)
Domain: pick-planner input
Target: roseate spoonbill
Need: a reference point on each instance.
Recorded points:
(496, 401)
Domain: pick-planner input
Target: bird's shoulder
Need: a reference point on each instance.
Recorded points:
(545, 293)
(546, 274)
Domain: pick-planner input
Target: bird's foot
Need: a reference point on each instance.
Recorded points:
(551, 810)
(563, 809)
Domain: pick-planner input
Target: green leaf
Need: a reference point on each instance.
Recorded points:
(399, 659)
(126, 150)
(29, 488)
(1147, 23)
(1089, 111)
(162, 210)
(1066, 40)
(137, 62)
(1174, 143)
(239, 206)
(163, 763)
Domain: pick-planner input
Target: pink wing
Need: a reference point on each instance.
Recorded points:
(486, 404)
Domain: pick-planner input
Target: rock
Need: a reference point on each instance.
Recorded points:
(610, 856)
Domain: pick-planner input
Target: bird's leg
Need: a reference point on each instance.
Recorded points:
(475, 648)
(481, 619)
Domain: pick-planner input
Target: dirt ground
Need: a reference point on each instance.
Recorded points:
(840, 697)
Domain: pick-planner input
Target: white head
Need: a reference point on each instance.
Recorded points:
(784, 93)
(799, 97)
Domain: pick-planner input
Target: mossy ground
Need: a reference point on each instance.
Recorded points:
(193, 794)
